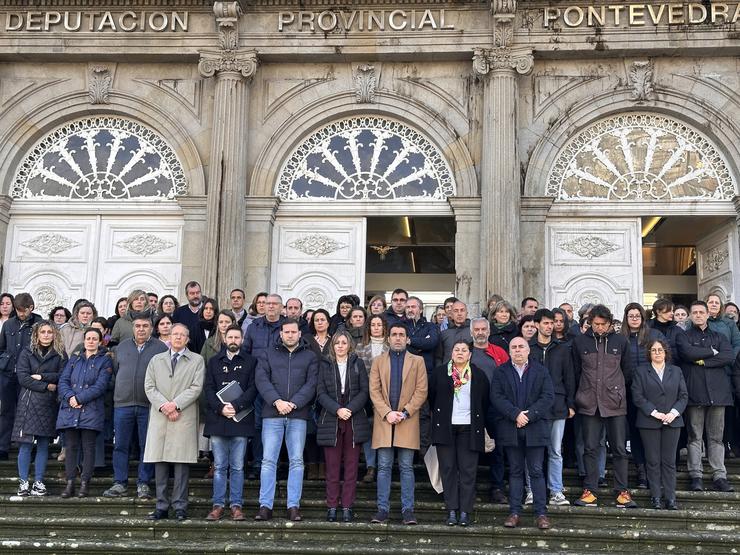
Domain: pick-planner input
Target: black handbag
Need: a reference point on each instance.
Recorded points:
(5, 362)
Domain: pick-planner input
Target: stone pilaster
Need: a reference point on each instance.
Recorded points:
(500, 182)
(257, 249)
(533, 244)
(194, 237)
(223, 257)
(5, 202)
(467, 257)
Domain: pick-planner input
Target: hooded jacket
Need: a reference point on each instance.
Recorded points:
(557, 358)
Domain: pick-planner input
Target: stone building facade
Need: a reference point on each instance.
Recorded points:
(249, 143)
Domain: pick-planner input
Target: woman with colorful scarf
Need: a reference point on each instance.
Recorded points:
(458, 399)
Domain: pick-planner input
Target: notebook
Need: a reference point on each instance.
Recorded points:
(230, 392)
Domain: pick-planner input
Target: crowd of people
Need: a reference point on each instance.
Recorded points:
(529, 390)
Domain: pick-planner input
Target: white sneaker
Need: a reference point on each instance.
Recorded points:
(24, 488)
(559, 499)
(38, 489)
(529, 499)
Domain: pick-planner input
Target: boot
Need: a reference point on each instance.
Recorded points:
(642, 482)
(322, 471)
(313, 471)
(84, 489)
(69, 490)
(369, 477)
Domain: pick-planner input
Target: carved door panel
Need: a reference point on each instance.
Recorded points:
(318, 260)
(61, 259)
(718, 264)
(594, 261)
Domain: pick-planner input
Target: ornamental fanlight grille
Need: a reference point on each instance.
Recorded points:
(101, 157)
(363, 158)
(638, 156)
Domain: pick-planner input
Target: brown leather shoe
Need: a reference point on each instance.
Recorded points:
(237, 513)
(217, 513)
(512, 521)
(263, 514)
(543, 523)
(294, 514)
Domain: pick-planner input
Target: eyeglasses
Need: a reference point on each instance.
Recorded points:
(657, 350)
(634, 317)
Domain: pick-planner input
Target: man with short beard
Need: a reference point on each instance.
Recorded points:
(188, 314)
(228, 437)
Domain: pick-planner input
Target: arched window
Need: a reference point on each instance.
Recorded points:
(368, 157)
(102, 157)
(640, 156)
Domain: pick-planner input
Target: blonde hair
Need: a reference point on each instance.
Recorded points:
(57, 343)
(335, 337)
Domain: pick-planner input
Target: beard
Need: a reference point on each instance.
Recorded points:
(233, 347)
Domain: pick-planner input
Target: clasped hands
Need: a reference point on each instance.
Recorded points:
(664, 417)
(395, 416)
(284, 407)
(344, 413)
(169, 409)
(73, 402)
(522, 419)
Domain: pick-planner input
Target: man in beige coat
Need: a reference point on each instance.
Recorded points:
(398, 389)
(173, 382)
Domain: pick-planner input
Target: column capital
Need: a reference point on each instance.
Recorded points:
(227, 21)
(242, 62)
(500, 58)
(505, 7)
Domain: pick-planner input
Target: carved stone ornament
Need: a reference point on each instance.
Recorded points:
(144, 244)
(316, 298)
(227, 19)
(503, 57)
(45, 298)
(317, 245)
(503, 32)
(231, 61)
(503, 6)
(588, 246)
(714, 259)
(50, 243)
(100, 85)
(641, 80)
(365, 84)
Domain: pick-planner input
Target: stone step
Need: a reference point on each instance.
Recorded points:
(347, 538)
(426, 512)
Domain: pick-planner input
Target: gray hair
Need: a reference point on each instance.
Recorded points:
(181, 325)
(276, 296)
(418, 300)
(478, 321)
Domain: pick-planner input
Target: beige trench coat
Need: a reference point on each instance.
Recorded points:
(173, 442)
(413, 395)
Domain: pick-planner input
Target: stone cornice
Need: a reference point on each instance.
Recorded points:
(107, 4)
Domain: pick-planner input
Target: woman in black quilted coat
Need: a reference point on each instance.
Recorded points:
(38, 369)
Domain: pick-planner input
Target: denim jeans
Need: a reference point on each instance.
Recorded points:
(125, 421)
(228, 458)
(385, 466)
(24, 458)
(273, 432)
(555, 457)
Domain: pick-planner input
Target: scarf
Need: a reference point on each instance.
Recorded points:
(458, 379)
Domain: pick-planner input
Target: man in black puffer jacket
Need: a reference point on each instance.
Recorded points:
(15, 336)
(603, 369)
(556, 357)
(286, 379)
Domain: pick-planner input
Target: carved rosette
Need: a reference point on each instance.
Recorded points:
(365, 84)
(502, 58)
(228, 61)
(100, 85)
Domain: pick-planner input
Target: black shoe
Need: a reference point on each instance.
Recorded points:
(347, 515)
(331, 515)
(3, 456)
(670, 504)
(498, 497)
(452, 519)
(655, 503)
(69, 490)
(696, 484)
(642, 482)
(159, 514)
(181, 515)
(381, 517)
(464, 519)
(84, 489)
(603, 483)
(408, 517)
(721, 484)
(251, 474)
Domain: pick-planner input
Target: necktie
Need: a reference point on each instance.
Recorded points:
(174, 361)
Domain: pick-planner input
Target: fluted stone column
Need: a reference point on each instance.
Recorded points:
(257, 251)
(223, 259)
(467, 257)
(500, 183)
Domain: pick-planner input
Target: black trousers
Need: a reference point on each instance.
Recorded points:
(458, 465)
(660, 459)
(8, 400)
(74, 440)
(179, 499)
(616, 430)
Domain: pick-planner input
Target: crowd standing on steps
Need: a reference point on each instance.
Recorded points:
(524, 391)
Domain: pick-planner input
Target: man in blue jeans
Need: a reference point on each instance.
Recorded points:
(398, 389)
(286, 379)
(131, 406)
